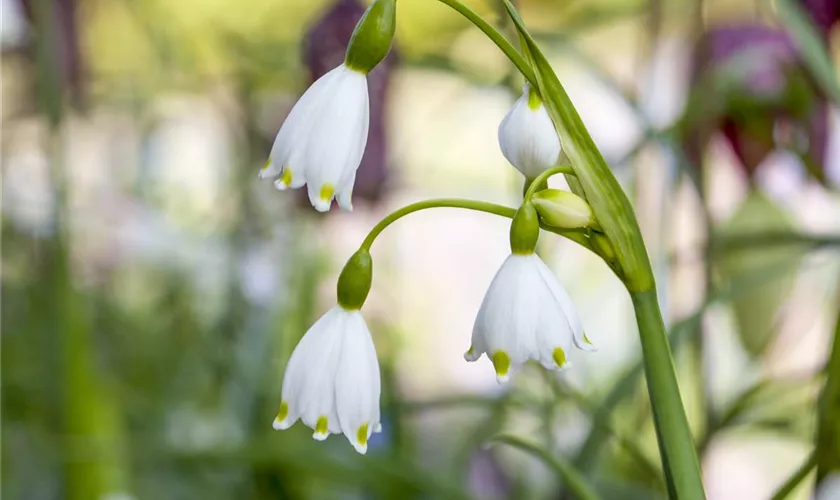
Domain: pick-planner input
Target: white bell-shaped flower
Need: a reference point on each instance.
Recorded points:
(322, 141)
(526, 314)
(527, 136)
(332, 380)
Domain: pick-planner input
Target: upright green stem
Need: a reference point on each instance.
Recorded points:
(676, 444)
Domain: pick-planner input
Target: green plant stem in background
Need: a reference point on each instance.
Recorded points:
(828, 416)
(570, 476)
(535, 184)
(793, 481)
(479, 206)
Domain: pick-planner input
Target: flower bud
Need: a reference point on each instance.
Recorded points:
(527, 135)
(354, 281)
(524, 230)
(372, 37)
(564, 209)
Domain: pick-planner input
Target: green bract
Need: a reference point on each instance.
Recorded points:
(372, 37)
(524, 230)
(563, 209)
(354, 281)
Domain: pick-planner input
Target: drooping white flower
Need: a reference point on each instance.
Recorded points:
(332, 380)
(322, 141)
(527, 136)
(526, 314)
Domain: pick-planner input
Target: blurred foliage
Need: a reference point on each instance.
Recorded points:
(755, 310)
(149, 366)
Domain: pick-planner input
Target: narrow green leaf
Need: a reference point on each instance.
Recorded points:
(794, 480)
(828, 417)
(810, 45)
(756, 311)
(566, 472)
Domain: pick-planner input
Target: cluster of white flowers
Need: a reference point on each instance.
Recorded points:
(332, 380)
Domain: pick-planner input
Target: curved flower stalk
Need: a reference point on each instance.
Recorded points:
(323, 139)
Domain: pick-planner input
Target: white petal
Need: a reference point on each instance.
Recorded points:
(270, 169)
(528, 139)
(568, 307)
(336, 141)
(298, 123)
(523, 316)
(345, 193)
(357, 388)
(309, 382)
(507, 319)
(321, 203)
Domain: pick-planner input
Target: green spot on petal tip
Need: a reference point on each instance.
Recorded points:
(321, 426)
(362, 435)
(559, 356)
(501, 362)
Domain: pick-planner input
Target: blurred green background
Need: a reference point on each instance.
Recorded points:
(153, 288)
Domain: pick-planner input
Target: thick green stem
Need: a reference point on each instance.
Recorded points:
(676, 444)
(479, 206)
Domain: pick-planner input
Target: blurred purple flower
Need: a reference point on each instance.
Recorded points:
(324, 48)
(750, 85)
(65, 55)
(486, 477)
(825, 13)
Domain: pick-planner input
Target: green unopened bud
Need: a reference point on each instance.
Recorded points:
(524, 230)
(372, 37)
(564, 209)
(354, 280)
(603, 246)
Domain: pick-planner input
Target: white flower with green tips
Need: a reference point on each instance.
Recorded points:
(332, 380)
(527, 136)
(322, 141)
(526, 314)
